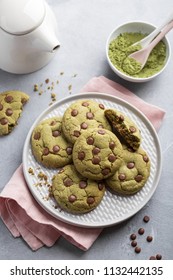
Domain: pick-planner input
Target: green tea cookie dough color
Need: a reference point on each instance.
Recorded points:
(11, 106)
(82, 115)
(97, 154)
(49, 145)
(132, 174)
(75, 193)
(127, 129)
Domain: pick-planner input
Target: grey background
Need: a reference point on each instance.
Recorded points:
(83, 27)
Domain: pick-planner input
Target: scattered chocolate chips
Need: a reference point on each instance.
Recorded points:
(76, 133)
(141, 231)
(96, 160)
(138, 178)
(95, 151)
(149, 238)
(152, 258)
(158, 257)
(85, 104)
(146, 219)
(121, 176)
(132, 129)
(89, 115)
(111, 158)
(100, 131)
(101, 106)
(133, 236)
(112, 145)
(121, 118)
(106, 171)
(69, 150)
(145, 158)
(137, 249)
(134, 243)
(101, 185)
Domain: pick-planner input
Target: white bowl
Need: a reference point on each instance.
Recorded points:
(144, 28)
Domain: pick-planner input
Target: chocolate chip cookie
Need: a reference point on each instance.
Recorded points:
(75, 193)
(11, 105)
(132, 174)
(82, 115)
(49, 145)
(126, 128)
(97, 153)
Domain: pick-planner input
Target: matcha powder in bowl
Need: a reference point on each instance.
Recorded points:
(121, 47)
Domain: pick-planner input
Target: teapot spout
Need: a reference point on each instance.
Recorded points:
(49, 42)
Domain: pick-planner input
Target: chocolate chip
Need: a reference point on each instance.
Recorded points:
(45, 151)
(146, 219)
(69, 150)
(23, 100)
(85, 104)
(3, 121)
(130, 165)
(56, 149)
(133, 236)
(105, 171)
(134, 243)
(8, 98)
(101, 106)
(76, 133)
(52, 123)
(100, 131)
(101, 186)
(56, 133)
(81, 155)
(132, 129)
(121, 118)
(111, 158)
(137, 250)
(112, 145)
(1, 107)
(121, 176)
(84, 125)
(67, 182)
(90, 200)
(90, 140)
(158, 257)
(96, 160)
(145, 158)
(152, 258)
(149, 238)
(72, 198)
(82, 184)
(141, 231)
(74, 113)
(9, 112)
(37, 135)
(95, 151)
(138, 178)
(89, 115)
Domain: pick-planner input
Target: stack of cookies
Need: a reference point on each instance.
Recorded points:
(94, 149)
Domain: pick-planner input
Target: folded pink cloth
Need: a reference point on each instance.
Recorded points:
(24, 217)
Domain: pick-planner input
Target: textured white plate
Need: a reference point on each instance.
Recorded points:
(113, 209)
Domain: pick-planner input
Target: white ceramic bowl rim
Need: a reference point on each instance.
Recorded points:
(128, 77)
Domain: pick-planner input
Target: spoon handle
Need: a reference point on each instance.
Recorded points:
(165, 30)
(148, 39)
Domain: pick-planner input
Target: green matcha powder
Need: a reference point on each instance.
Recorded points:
(121, 47)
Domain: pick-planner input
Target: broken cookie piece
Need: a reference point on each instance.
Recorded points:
(11, 105)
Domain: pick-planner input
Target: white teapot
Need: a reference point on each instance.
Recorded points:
(27, 35)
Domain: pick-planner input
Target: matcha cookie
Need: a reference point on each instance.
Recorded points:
(97, 153)
(49, 145)
(126, 128)
(11, 105)
(82, 115)
(132, 174)
(75, 193)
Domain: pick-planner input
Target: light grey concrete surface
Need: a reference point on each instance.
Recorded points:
(83, 27)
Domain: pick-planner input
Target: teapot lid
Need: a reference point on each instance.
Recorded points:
(21, 16)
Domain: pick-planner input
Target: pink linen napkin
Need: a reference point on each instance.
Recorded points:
(24, 217)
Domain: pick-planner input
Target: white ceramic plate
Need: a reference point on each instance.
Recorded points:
(113, 209)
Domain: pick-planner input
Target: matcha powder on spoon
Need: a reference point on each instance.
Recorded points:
(121, 47)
